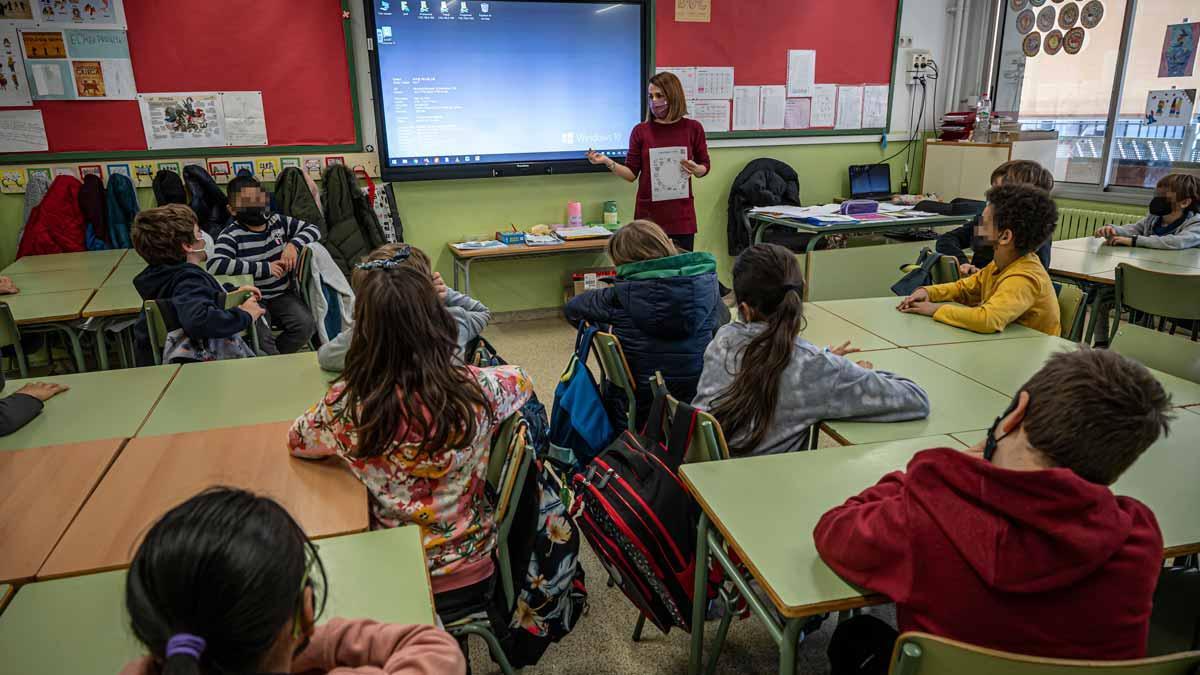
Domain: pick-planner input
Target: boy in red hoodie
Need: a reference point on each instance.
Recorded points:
(1018, 544)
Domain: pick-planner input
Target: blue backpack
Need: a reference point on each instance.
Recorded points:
(580, 427)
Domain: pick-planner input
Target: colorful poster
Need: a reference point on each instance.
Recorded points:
(89, 79)
(182, 120)
(1179, 50)
(1170, 107)
(14, 84)
(87, 13)
(16, 10)
(44, 44)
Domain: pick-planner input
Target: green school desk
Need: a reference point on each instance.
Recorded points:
(957, 403)
(79, 625)
(735, 495)
(163, 471)
(239, 393)
(761, 221)
(105, 260)
(41, 490)
(52, 312)
(1097, 247)
(825, 329)
(123, 275)
(880, 316)
(82, 278)
(106, 404)
(1008, 364)
(132, 259)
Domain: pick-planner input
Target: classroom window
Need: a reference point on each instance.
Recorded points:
(1068, 87)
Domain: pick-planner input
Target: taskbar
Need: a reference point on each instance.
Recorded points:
(443, 160)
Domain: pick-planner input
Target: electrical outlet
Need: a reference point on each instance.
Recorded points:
(906, 42)
(917, 63)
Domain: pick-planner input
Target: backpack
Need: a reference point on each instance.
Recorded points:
(481, 354)
(168, 188)
(640, 519)
(580, 426)
(861, 645)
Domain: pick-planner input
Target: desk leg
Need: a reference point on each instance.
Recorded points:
(467, 276)
(101, 346)
(699, 597)
(792, 631)
(454, 263)
(758, 232)
(76, 348)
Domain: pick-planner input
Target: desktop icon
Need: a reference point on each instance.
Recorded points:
(384, 5)
(463, 8)
(424, 7)
(483, 7)
(385, 33)
(404, 6)
(435, 160)
(476, 158)
(445, 7)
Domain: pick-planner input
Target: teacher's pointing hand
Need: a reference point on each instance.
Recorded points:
(697, 170)
(597, 157)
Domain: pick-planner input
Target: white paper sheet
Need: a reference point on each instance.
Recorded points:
(849, 107)
(714, 83)
(668, 180)
(746, 106)
(687, 77)
(245, 123)
(802, 70)
(22, 131)
(182, 120)
(798, 211)
(48, 79)
(797, 113)
(14, 89)
(118, 79)
(773, 99)
(824, 102)
(714, 115)
(875, 102)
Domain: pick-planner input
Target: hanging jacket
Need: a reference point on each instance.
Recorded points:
(327, 283)
(352, 230)
(1042, 563)
(664, 312)
(316, 192)
(208, 201)
(92, 206)
(35, 192)
(56, 224)
(122, 207)
(293, 198)
(168, 188)
(764, 182)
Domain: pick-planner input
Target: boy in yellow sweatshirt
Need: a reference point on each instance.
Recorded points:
(1014, 286)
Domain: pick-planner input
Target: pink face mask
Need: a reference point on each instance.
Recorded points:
(659, 108)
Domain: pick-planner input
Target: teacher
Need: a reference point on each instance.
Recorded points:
(665, 132)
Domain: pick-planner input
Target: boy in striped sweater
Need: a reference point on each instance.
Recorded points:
(267, 245)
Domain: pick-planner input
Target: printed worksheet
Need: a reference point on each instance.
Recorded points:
(824, 102)
(746, 109)
(245, 123)
(849, 107)
(801, 72)
(22, 131)
(687, 77)
(668, 180)
(875, 103)
(796, 113)
(773, 99)
(714, 115)
(714, 83)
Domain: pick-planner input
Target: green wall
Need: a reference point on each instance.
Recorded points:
(437, 212)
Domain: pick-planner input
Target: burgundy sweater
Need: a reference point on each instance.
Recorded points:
(675, 216)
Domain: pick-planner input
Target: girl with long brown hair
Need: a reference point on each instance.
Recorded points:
(768, 386)
(415, 426)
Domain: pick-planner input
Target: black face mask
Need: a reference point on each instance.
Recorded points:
(978, 243)
(252, 215)
(1160, 206)
(989, 447)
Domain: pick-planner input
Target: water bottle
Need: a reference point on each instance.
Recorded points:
(611, 216)
(983, 120)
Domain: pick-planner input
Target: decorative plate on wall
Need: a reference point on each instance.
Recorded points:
(1053, 42)
(1032, 44)
(1068, 15)
(1073, 40)
(1045, 18)
(1018, 5)
(1025, 21)
(1092, 13)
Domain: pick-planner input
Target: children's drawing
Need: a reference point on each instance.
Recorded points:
(1170, 107)
(1179, 50)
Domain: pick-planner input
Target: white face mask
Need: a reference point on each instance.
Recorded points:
(197, 255)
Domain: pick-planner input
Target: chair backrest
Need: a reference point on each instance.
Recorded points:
(508, 465)
(616, 370)
(9, 333)
(156, 326)
(1176, 296)
(304, 271)
(1070, 302)
(1171, 354)
(924, 654)
(708, 441)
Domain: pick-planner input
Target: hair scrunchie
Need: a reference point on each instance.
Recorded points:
(185, 643)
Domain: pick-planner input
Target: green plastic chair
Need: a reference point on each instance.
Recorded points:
(615, 369)
(1171, 296)
(1161, 351)
(924, 654)
(946, 271)
(1071, 300)
(156, 325)
(10, 336)
(508, 466)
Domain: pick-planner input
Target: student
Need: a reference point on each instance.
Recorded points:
(227, 582)
(470, 316)
(267, 245)
(168, 238)
(1174, 220)
(1014, 287)
(415, 427)
(664, 308)
(768, 386)
(25, 404)
(1019, 544)
(952, 243)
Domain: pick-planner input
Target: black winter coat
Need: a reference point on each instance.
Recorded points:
(764, 182)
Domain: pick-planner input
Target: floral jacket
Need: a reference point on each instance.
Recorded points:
(443, 493)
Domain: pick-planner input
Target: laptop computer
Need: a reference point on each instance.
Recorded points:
(870, 181)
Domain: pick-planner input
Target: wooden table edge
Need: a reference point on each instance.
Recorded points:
(109, 312)
(523, 250)
(7, 597)
(788, 611)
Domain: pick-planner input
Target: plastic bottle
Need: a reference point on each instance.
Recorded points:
(983, 120)
(611, 216)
